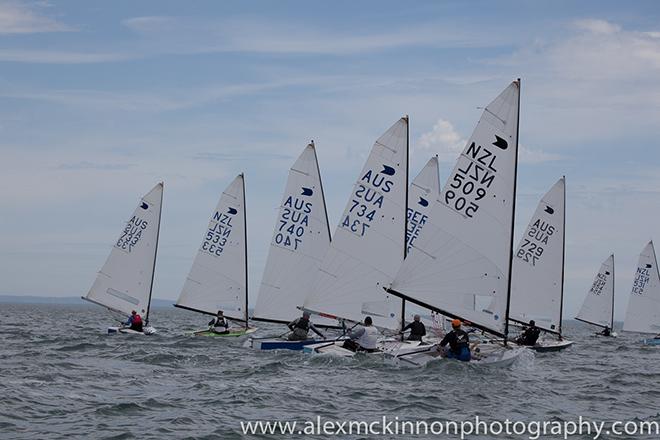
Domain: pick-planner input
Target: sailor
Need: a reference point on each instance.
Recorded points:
(530, 335)
(606, 331)
(365, 338)
(417, 329)
(134, 322)
(219, 324)
(300, 328)
(459, 343)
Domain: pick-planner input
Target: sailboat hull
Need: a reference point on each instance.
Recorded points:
(551, 346)
(651, 341)
(281, 344)
(485, 354)
(127, 331)
(233, 332)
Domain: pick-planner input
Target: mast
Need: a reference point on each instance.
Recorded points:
(563, 260)
(405, 219)
(325, 208)
(613, 290)
(246, 252)
(153, 271)
(513, 222)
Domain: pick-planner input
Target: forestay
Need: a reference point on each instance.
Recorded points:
(368, 245)
(460, 262)
(538, 264)
(124, 282)
(300, 240)
(422, 195)
(217, 278)
(598, 306)
(643, 314)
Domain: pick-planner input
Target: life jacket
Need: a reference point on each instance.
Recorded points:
(369, 338)
(301, 329)
(136, 323)
(461, 341)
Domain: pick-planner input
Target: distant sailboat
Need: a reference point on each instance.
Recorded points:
(460, 266)
(598, 306)
(301, 238)
(369, 243)
(643, 314)
(218, 276)
(537, 286)
(125, 282)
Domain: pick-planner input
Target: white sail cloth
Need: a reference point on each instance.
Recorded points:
(368, 244)
(460, 262)
(124, 282)
(598, 306)
(300, 240)
(538, 264)
(217, 278)
(643, 314)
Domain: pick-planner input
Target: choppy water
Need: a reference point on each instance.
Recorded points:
(62, 377)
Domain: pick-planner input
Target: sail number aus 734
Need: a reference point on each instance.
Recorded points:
(367, 200)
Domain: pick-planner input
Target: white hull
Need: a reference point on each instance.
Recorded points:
(493, 355)
(386, 347)
(127, 331)
(551, 345)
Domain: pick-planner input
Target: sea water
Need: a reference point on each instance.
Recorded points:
(62, 376)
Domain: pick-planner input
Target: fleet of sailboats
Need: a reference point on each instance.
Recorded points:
(447, 251)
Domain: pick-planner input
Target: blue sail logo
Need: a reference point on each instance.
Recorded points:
(423, 202)
(144, 206)
(306, 191)
(232, 211)
(387, 170)
(549, 210)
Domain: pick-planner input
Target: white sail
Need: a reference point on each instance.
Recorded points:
(217, 278)
(368, 245)
(422, 195)
(538, 264)
(643, 314)
(598, 306)
(300, 240)
(460, 263)
(125, 281)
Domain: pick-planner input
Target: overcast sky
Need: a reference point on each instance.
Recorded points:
(101, 100)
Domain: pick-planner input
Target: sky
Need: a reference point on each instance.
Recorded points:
(101, 100)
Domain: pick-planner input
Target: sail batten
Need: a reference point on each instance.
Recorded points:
(218, 277)
(460, 263)
(125, 281)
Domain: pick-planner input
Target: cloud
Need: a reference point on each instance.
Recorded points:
(18, 18)
(596, 26)
(85, 165)
(444, 140)
(61, 57)
(197, 35)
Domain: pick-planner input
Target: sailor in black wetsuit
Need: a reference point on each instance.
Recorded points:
(530, 335)
(219, 324)
(606, 332)
(459, 343)
(300, 328)
(417, 329)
